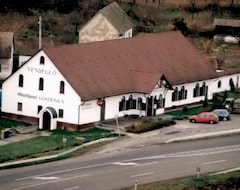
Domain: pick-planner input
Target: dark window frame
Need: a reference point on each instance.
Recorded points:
(41, 84)
(19, 106)
(42, 60)
(20, 80)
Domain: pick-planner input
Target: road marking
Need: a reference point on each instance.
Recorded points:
(72, 188)
(49, 182)
(62, 171)
(143, 174)
(45, 178)
(125, 163)
(146, 164)
(214, 162)
(199, 152)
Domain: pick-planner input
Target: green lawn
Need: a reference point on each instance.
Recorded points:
(7, 123)
(47, 145)
(228, 181)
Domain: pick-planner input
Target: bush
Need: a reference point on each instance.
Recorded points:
(148, 125)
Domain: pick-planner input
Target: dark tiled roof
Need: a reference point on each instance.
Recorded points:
(229, 72)
(226, 22)
(113, 67)
(117, 17)
(6, 42)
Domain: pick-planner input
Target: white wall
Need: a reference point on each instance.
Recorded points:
(31, 97)
(97, 29)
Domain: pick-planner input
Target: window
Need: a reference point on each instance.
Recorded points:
(41, 83)
(20, 80)
(122, 104)
(60, 113)
(62, 85)
(19, 106)
(175, 94)
(200, 91)
(42, 60)
(183, 94)
(219, 84)
(131, 103)
(160, 101)
(139, 104)
(39, 109)
(196, 91)
(203, 89)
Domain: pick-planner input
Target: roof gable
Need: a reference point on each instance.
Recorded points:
(113, 67)
(117, 17)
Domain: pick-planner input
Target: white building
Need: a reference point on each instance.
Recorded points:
(111, 22)
(70, 86)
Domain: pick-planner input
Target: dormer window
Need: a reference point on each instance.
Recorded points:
(42, 60)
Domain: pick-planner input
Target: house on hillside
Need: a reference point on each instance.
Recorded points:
(74, 85)
(6, 54)
(227, 30)
(111, 22)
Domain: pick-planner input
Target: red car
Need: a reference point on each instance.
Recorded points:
(204, 117)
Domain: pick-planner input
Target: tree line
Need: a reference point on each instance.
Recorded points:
(61, 6)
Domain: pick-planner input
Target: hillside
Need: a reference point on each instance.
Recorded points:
(153, 16)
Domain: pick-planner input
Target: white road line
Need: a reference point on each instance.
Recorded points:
(214, 162)
(49, 182)
(46, 178)
(72, 188)
(62, 171)
(146, 164)
(143, 174)
(125, 163)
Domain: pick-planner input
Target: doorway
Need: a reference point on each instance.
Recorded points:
(46, 121)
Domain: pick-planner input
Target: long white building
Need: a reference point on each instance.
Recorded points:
(70, 86)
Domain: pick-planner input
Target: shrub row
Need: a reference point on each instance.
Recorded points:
(149, 125)
(231, 182)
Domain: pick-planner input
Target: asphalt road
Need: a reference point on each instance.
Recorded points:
(124, 168)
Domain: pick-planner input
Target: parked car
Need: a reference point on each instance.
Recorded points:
(223, 114)
(204, 117)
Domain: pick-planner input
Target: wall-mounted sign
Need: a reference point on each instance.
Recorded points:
(41, 71)
(42, 98)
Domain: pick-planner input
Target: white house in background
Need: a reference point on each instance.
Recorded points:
(70, 86)
(111, 22)
(227, 30)
(6, 54)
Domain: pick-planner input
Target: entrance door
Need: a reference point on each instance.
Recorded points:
(46, 121)
(102, 116)
(149, 106)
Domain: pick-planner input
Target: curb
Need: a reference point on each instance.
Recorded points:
(32, 160)
(199, 136)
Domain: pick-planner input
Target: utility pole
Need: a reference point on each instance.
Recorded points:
(40, 32)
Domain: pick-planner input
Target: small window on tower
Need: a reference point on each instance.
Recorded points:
(42, 60)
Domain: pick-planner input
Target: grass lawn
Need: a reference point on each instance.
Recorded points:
(180, 114)
(7, 123)
(205, 182)
(47, 145)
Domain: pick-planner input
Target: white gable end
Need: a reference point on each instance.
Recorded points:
(98, 29)
(36, 86)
